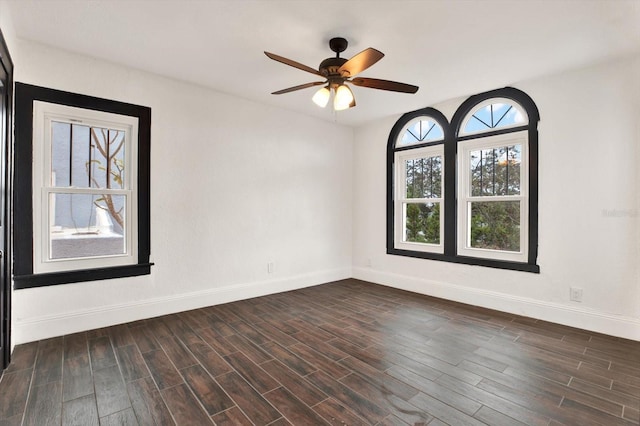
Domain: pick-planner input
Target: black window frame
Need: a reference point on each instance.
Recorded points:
(23, 245)
(451, 139)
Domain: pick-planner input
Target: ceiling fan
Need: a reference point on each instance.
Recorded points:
(338, 71)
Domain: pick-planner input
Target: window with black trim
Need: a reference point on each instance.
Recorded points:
(466, 191)
(419, 175)
(81, 186)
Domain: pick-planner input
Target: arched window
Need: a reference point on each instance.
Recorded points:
(466, 192)
(418, 155)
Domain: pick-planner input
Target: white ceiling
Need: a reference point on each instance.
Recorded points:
(449, 48)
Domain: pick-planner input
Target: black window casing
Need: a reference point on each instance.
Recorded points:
(24, 277)
(451, 139)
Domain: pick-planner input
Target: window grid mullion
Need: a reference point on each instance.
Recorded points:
(108, 159)
(97, 191)
(419, 200)
(70, 154)
(493, 168)
(90, 165)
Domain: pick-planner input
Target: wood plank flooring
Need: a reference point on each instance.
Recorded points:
(343, 353)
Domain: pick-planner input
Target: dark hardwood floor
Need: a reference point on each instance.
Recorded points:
(344, 353)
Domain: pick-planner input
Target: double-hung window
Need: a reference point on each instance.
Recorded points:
(492, 197)
(420, 176)
(467, 193)
(86, 210)
(82, 182)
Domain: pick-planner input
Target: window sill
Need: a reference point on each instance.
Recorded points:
(68, 277)
(465, 260)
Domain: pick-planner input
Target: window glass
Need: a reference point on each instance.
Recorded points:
(495, 171)
(420, 130)
(423, 177)
(492, 115)
(495, 225)
(83, 156)
(422, 223)
(83, 226)
(61, 157)
(91, 223)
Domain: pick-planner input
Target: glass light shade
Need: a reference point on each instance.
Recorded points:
(321, 98)
(343, 98)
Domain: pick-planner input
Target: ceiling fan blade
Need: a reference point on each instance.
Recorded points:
(361, 61)
(299, 87)
(376, 83)
(292, 63)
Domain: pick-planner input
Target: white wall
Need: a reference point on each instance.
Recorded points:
(234, 185)
(6, 25)
(588, 206)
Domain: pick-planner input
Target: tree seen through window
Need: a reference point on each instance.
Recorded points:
(423, 180)
(495, 225)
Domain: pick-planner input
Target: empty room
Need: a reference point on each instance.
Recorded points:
(320, 212)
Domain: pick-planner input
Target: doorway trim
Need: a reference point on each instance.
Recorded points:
(5, 211)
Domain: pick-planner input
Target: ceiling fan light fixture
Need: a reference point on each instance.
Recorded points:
(337, 71)
(321, 98)
(343, 98)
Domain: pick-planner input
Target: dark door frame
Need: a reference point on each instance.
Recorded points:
(5, 208)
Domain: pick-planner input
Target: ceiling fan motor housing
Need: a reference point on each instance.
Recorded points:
(329, 69)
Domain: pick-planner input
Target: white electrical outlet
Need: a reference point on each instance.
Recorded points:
(575, 294)
(270, 267)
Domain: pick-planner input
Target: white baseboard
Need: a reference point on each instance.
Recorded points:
(584, 318)
(43, 327)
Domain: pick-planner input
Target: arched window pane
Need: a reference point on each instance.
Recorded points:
(492, 115)
(420, 130)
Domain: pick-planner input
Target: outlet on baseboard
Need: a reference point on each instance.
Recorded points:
(575, 294)
(270, 267)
